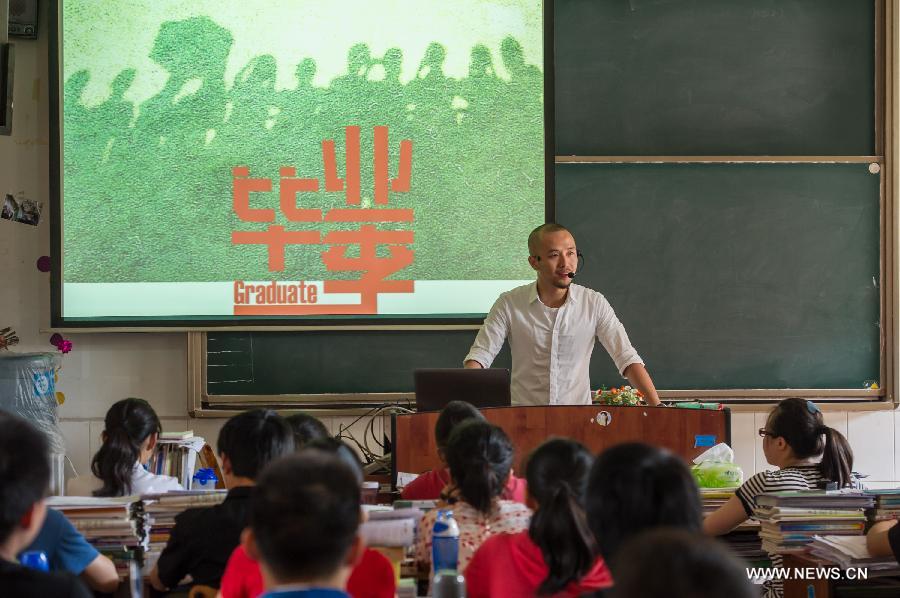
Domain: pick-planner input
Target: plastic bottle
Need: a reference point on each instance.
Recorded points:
(35, 559)
(445, 542)
(448, 584)
(204, 479)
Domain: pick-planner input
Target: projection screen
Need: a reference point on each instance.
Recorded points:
(294, 161)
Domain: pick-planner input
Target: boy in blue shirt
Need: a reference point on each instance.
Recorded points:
(67, 550)
(304, 519)
(24, 480)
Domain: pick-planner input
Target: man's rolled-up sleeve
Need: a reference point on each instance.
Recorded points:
(490, 338)
(614, 339)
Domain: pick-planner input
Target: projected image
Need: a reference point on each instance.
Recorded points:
(298, 157)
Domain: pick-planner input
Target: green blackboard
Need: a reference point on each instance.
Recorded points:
(725, 276)
(714, 77)
(734, 275)
(270, 363)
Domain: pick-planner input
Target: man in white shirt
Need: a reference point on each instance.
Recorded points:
(552, 326)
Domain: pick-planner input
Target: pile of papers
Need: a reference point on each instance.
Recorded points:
(161, 510)
(390, 527)
(851, 552)
(887, 504)
(789, 520)
(117, 527)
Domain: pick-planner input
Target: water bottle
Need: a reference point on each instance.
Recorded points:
(448, 583)
(445, 542)
(204, 479)
(35, 559)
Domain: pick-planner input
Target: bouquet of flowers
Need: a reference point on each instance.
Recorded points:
(619, 396)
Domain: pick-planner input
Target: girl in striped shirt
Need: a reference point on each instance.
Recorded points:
(806, 452)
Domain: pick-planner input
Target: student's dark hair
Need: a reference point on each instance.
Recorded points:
(453, 414)
(304, 514)
(480, 456)
(684, 564)
(634, 487)
(24, 470)
(128, 424)
(557, 475)
(252, 439)
(534, 238)
(342, 450)
(800, 423)
(306, 428)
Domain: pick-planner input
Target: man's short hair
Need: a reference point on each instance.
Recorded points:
(252, 439)
(453, 414)
(24, 470)
(305, 514)
(534, 239)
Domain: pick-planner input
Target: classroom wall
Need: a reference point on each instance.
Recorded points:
(103, 368)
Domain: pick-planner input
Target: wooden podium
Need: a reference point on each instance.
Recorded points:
(685, 432)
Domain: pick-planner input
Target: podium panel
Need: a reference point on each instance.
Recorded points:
(685, 432)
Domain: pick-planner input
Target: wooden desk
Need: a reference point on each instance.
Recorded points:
(686, 432)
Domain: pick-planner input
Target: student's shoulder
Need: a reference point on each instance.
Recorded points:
(789, 478)
(196, 517)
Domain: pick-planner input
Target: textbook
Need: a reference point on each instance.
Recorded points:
(817, 499)
(790, 520)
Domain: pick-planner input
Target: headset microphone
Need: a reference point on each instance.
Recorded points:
(570, 274)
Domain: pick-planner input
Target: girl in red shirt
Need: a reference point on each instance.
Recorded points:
(558, 555)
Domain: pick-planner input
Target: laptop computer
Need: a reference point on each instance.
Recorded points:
(482, 387)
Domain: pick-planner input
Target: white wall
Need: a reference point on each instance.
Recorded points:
(103, 368)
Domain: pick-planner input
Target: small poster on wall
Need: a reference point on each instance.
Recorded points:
(21, 209)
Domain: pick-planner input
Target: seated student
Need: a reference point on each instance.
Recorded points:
(480, 456)
(131, 429)
(371, 577)
(304, 524)
(557, 556)
(429, 485)
(683, 564)
(204, 538)
(806, 452)
(67, 550)
(24, 480)
(634, 487)
(306, 428)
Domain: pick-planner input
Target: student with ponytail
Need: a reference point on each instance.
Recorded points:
(558, 555)
(480, 458)
(129, 438)
(806, 452)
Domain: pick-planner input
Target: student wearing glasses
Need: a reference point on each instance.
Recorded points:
(806, 453)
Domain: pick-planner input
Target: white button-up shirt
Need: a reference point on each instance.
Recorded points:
(551, 348)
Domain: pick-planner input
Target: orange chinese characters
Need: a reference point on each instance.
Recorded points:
(374, 269)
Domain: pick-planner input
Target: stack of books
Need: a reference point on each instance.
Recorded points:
(887, 505)
(161, 510)
(176, 456)
(116, 527)
(744, 540)
(851, 552)
(789, 520)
